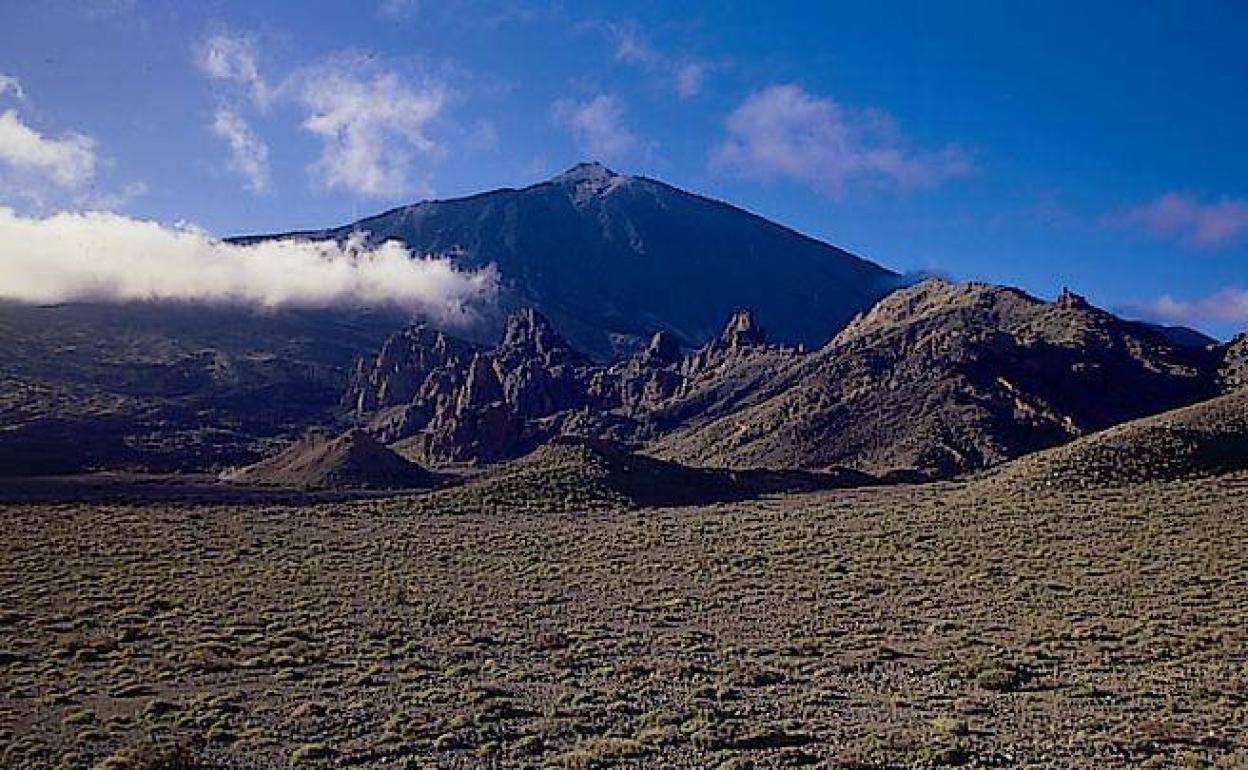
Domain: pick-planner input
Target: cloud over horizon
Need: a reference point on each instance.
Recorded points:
(1182, 217)
(99, 256)
(784, 132)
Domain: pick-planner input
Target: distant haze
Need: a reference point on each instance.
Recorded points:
(101, 256)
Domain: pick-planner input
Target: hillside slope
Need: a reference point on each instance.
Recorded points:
(942, 378)
(1203, 439)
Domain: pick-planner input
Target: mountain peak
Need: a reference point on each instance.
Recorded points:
(589, 171)
(589, 180)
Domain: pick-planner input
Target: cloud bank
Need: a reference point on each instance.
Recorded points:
(1181, 217)
(783, 131)
(108, 257)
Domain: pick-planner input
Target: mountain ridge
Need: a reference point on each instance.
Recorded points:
(937, 379)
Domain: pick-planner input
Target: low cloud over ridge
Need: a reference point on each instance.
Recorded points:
(100, 256)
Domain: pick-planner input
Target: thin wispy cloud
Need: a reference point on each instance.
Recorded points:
(1230, 305)
(371, 127)
(373, 124)
(685, 74)
(249, 155)
(107, 257)
(784, 132)
(597, 126)
(1183, 218)
(233, 58)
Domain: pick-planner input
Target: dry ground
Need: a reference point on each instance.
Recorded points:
(875, 628)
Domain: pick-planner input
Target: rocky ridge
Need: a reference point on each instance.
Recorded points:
(936, 379)
(942, 378)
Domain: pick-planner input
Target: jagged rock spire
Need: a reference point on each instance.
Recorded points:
(743, 330)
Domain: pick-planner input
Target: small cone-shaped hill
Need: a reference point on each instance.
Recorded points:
(352, 460)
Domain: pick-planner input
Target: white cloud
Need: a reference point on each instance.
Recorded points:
(249, 155)
(233, 58)
(597, 125)
(1229, 305)
(783, 131)
(371, 128)
(11, 85)
(69, 161)
(101, 256)
(1183, 218)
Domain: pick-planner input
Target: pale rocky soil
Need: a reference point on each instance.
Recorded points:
(877, 628)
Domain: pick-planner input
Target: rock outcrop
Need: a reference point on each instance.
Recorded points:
(446, 401)
(1233, 374)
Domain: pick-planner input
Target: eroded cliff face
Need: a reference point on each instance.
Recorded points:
(449, 401)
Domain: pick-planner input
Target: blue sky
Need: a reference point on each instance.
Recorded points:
(1095, 145)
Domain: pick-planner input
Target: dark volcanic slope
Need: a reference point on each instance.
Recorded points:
(167, 386)
(941, 378)
(1199, 440)
(353, 459)
(603, 254)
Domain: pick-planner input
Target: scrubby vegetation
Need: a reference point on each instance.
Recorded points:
(885, 627)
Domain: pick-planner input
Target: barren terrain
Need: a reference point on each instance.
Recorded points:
(887, 627)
